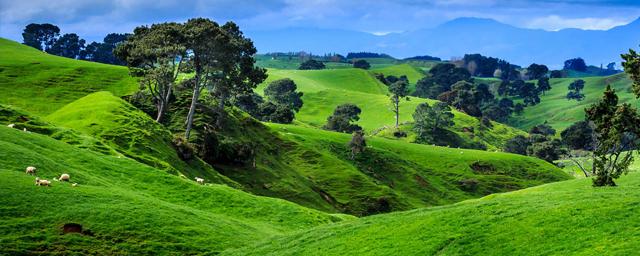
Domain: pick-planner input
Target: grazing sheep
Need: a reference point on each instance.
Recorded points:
(64, 177)
(74, 184)
(24, 130)
(11, 125)
(200, 181)
(40, 182)
(31, 170)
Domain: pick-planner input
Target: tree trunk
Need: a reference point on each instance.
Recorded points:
(192, 109)
(397, 105)
(160, 111)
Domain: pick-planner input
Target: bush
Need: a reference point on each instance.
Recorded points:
(184, 149)
(311, 64)
(362, 64)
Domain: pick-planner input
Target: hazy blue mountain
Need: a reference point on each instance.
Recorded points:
(464, 35)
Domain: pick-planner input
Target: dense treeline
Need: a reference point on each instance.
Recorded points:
(361, 55)
(46, 37)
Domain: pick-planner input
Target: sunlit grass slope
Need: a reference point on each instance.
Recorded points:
(129, 208)
(41, 83)
(413, 73)
(131, 132)
(560, 112)
(564, 218)
(325, 89)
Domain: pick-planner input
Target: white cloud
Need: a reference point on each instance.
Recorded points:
(555, 23)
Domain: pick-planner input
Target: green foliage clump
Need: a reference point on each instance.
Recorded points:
(362, 64)
(616, 130)
(342, 118)
(431, 120)
(578, 136)
(575, 90)
(311, 65)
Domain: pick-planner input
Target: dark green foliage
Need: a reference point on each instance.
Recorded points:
(576, 64)
(578, 136)
(311, 65)
(543, 129)
(517, 145)
(543, 85)
(357, 144)
(530, 94)
(441, 78)
(631, 66)
(614, 124)
(363, 64)
(518, 108)
(429, 121)
(504, 87)
(557, 74)
(283, 92)
(575, 90)
(40, 36)
(103, 52)
(482, 66)
(360, 55)
(69, 46)
(276, 113)
(546, 149)
(342, 118)
(536, 71)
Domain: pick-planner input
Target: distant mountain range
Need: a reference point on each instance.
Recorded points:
(464, 35)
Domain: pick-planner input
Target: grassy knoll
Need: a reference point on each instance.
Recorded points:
(326, 89)
(131, 132)
(413, 73)
(27, 74)
(560, 112)
(130, 208)
(564, 218)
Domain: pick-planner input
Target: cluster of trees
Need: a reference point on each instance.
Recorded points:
(576, 64)
(528, 91)
(539, 143)
(575, 90)
(343, 119)
(362, 64)
(311, 65)
(362, 55)
(46, 37)
(220, 58)
(430, 121)
(304, 56)
(423, 58)
(282, 102)
(482, 66)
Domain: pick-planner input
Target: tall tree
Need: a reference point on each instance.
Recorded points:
(222, 60)
(68, 45)
(631, 66)
(343, 117)
(543, 85)
(575, 90)
(157, 52)
(536, 71)
(40, 36)
(357, 144)
(284, 92)
(399, 90)
(616, 132)
(576, 64)
(429, 120)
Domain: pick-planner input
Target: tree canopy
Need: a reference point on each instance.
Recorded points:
(343, 117)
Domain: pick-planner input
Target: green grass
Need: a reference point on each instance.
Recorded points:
(129, 207)
(325, 89)
(413, 73)
(131, 132)
(564, 218)
(27, 74)
(560, 112)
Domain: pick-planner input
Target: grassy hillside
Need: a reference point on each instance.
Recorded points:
(128, 207)
(413, 73)
(27, 74)
(131, 132)
(326, 89)
(564, 218)
(560, 112)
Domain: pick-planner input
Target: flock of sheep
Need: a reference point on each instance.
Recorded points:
(64, 177)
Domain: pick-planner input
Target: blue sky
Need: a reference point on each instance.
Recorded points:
(93, 19)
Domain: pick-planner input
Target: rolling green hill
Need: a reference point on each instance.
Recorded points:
(41, 83)
(326, 89)
(564, 218)
(413, 73)
(128, 207)
(560, 112)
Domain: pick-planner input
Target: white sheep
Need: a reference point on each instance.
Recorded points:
(64, 177)
(31, 170)
(11, 125)
(40, 182)
(74, 184)
(200, 181)
(24, 130)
